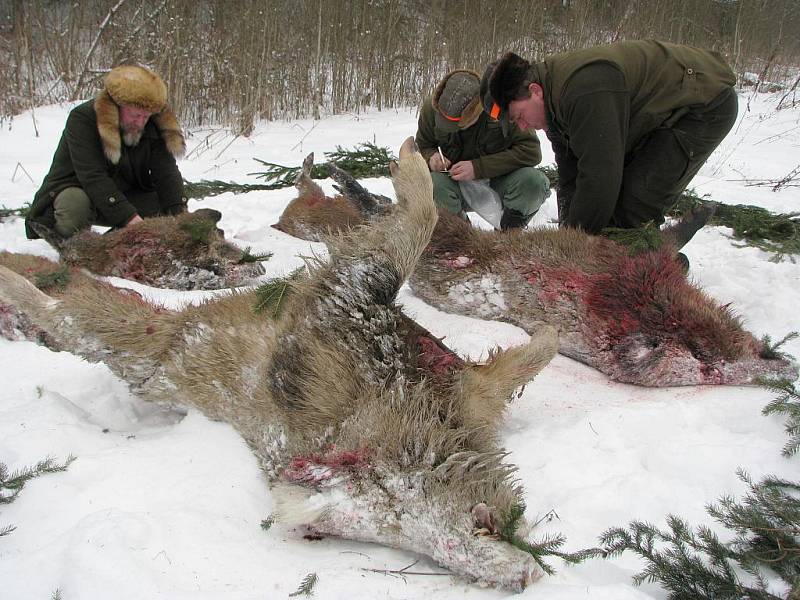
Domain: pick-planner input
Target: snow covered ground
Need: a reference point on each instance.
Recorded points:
(162, 505)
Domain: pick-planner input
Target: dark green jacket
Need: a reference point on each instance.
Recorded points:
(79, 162)
(483, 143)
(602, 102)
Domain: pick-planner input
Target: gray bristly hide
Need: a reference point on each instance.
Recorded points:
(368, 426)
(183, 252)
(635, 318)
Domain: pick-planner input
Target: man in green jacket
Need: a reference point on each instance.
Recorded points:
(462, 144)
(631, 123)
(115, 162)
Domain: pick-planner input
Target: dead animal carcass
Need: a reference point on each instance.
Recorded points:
(368, 426)
(635, 318)
(184, 252)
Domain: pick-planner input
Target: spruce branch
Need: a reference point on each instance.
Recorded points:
(770, 350)
(787, 402)
(268, 522)
(641, 239)
(694, 564)
(206, 188)
(778, 234)
(306, 586)
(56, 279)
(22, 211)
(11, 484)
(548, 546)
(271, 295)
(247, 257)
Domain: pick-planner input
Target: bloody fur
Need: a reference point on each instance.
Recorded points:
(166, 252)
(635, 318)
(367, 425)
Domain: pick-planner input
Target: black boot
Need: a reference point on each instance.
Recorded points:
(513, 219)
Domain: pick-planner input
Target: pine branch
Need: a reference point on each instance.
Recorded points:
(788, 403)
(696, 565)
(549, 546)
(306, 586)
(757, 227)
(11, 484)
(22, 211)
(268, 522)
(206, 188)
(272, 294)
(638, 240)
(56, 279)
(770, 350)
(251, 258)
(365, 160)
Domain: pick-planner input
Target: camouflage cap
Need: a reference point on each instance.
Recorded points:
(459, 91)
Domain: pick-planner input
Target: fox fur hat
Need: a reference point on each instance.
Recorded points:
(136, 86)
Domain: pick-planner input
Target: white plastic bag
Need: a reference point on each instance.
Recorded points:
(481, 198)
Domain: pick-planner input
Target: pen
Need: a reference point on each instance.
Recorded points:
(442, 157)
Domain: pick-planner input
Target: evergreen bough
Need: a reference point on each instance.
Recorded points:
(364, 160)
(271, 295)
(695, 565)
(11, 484)
(247, 257)
(306, 586)
(15, 212)
(549, 546)
(755, 226)
(787, 402)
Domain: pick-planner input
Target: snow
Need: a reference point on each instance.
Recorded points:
(164, 503)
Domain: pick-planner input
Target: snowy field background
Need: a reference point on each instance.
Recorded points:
(162, 505)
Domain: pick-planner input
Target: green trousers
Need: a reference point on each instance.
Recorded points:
(523, 190)
(74, 210)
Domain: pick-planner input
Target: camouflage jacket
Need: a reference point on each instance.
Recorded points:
(491, 153)
(601, 103)
(79, 162)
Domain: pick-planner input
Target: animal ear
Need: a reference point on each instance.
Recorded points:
(304, 183)
(486, 389)
(393, 169)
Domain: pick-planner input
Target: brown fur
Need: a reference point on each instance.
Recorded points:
(637, 319)
(368, 426)
(186, 251)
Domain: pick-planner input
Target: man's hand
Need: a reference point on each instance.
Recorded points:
(436, 164)
(462, 171)
(134, 219)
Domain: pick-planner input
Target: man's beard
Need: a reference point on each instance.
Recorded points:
(131, 138)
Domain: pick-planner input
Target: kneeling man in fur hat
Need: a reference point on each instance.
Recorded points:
(462, 144)
(115, 162)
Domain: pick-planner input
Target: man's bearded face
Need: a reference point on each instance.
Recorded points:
(132, 120)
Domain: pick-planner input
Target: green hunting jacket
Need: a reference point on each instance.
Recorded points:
(491, 153)
(602, 102)
(79, 161)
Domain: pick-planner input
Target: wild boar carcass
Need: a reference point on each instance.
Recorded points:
(635, 318)
(369, 427)
(184, 252)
